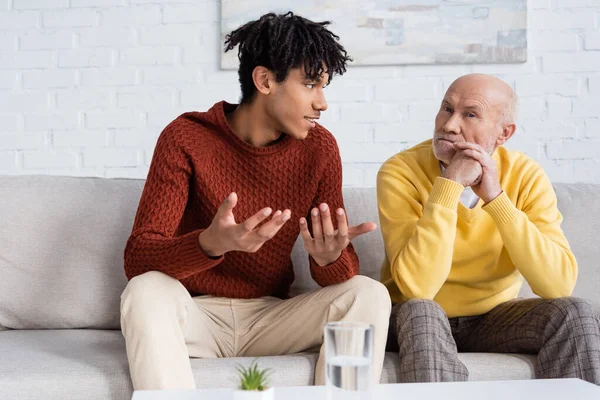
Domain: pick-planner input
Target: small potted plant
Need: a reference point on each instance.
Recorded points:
(253, 383)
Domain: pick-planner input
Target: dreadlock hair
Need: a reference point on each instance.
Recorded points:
(283, 42)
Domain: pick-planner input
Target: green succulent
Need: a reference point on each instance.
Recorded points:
(252, 377)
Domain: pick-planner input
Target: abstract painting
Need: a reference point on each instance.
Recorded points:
(383, 32)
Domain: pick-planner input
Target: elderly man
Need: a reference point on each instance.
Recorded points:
(463, 221)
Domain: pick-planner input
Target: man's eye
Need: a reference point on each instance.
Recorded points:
(310, 85)
(448, 109)
(471, 115)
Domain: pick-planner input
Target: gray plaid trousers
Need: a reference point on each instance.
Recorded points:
(563, 332)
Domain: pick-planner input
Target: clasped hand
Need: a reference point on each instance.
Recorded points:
(473, 166)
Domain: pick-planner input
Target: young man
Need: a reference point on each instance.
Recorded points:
(209, 256)
(464, 220)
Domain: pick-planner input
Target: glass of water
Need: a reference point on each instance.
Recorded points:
(349, 360)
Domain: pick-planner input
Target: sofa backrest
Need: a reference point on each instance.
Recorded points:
(61, 250)
(62, 242)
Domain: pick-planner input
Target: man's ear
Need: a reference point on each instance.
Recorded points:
(508, 131)
(263, 79)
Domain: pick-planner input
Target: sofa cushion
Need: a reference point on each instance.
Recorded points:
(581, 212)
(581, 221)
(92, 364)
(61, 250)
(63, 364)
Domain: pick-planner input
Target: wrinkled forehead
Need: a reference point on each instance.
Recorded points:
(476, 94)
(464, 98)
(479, 81)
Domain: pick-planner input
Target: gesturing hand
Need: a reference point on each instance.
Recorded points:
(224, 234)
(326, 244)
(488, 187)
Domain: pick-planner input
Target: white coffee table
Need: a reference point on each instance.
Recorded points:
(548, 389)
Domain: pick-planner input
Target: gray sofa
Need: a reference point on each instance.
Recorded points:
(61, 274)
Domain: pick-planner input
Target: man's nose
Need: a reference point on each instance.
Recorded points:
(452, 125)
(320, 103)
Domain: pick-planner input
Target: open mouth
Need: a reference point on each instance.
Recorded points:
(311, 121)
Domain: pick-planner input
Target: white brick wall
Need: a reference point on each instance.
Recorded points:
(86, 86)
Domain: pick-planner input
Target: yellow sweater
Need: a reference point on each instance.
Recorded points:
(470, 260)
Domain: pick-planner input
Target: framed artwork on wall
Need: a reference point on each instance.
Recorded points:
(397, 32)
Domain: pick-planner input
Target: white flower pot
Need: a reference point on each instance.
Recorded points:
(253, 394)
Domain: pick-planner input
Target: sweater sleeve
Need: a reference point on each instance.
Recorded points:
(330, 192)
(419, 238)
(534, 239)
(154, 244)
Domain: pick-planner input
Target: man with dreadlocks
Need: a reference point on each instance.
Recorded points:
(209, 256)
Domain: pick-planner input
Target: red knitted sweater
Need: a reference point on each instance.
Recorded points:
(198, 161)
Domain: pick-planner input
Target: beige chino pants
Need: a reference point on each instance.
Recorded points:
(164, 326)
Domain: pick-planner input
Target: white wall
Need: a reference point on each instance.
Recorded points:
(87, 85)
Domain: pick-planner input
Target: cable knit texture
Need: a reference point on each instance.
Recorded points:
(198, 161)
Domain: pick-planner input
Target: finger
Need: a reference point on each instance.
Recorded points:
(270, 229)
(316, 225)
(476, 155)
(482, 159)
(342, 223)
(249, 224)
(363, 228)
(228, 204)
(468, 145)
(304, 231)
(326, 223)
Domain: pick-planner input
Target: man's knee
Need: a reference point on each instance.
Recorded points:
(572, 309)
(404, 313)
(151, 285)
(371, 292)
(418, 307)
(149, 293)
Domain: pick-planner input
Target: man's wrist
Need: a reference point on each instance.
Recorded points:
(206, 245)
(326, 260)
(450, 177)
(492, 197)
(453, 178)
